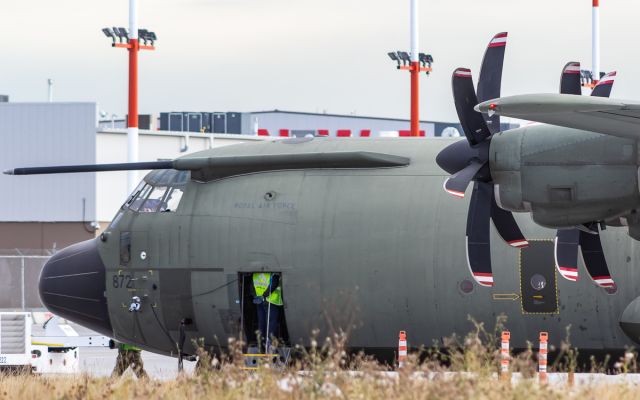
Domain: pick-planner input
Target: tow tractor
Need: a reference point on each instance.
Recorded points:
(56, 349)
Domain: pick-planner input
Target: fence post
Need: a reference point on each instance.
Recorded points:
(23, 296)
(542, 357)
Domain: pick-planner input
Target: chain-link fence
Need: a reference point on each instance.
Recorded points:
(19, 274)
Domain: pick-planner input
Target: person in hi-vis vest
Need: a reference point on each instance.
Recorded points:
(268, 301)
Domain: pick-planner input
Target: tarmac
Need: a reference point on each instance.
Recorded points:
(99, 362)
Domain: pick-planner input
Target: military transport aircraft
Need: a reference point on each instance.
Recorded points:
(365, 239)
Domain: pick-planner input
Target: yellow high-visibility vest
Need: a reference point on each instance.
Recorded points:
(261, 281)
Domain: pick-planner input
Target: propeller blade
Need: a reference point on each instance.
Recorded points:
(594, 260)
(604, 86)
(507, 226)
(464, 95)
(566, 253)
(490, 79)
(457, 183)
(570, 79)
(478, 244)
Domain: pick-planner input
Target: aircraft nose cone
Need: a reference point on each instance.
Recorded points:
(73, 285)
(630, 320)
(456, 156)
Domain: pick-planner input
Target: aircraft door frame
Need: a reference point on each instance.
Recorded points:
(248, 311)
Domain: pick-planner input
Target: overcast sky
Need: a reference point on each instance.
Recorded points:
(301, 55)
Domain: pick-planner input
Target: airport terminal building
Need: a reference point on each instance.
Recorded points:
(45, 212)
(289, 124)
(293, 123)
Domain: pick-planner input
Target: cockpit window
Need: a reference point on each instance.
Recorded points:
(140, 198)
(134, 194)
(160, 191)
(154, 200)
(167, 177)
(172, 200)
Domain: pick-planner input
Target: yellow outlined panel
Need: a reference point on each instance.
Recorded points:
(552, 277)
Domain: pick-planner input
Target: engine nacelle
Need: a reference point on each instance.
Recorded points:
(564, 177)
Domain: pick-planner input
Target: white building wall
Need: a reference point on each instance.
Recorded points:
(111, 147)
(39, 134)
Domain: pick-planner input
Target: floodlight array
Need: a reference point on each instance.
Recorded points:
(404, 56)
(426, 59)
(147, 36)
(108, 32)
(394, 57)
(121, 35)
(403, 59)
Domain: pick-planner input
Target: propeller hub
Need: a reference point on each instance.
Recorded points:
(458, 155)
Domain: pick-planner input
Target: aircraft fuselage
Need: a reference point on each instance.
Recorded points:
(367, 251)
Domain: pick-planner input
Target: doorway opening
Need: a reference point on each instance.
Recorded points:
(249, 311)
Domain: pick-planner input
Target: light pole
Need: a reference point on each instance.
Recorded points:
(130, 40)
(414, 62)
(415, 70)
(590, 79)
(595, 41)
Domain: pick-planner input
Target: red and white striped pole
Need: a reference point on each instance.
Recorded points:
(132, 119)
(595, 41)
(415, 71)
(402, 348)
(504, 355)
(542, 357)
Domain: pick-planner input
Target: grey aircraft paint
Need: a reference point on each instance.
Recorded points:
(371, 251)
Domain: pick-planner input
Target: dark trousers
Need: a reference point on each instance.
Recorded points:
(274, 321)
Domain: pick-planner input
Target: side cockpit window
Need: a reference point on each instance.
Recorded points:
(172, 200)
(134, 195)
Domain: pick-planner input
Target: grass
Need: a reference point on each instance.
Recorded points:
(329, 372)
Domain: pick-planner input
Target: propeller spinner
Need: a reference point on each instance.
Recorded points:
(469, 161)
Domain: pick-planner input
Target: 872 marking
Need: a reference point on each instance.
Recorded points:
(122, 281)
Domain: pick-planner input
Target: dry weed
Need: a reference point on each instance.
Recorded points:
(468, 369)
